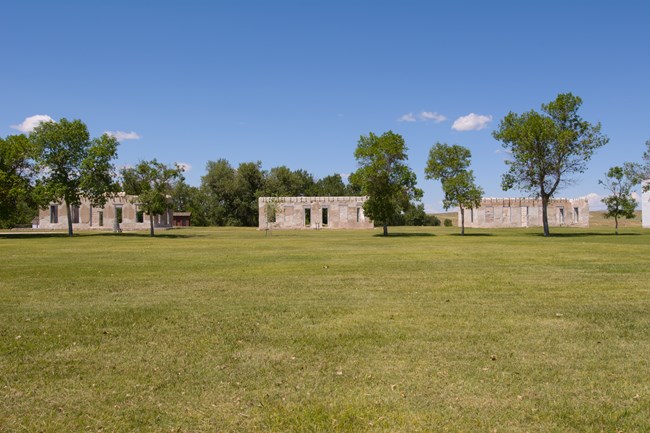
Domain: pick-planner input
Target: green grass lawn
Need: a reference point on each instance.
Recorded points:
(229, 330)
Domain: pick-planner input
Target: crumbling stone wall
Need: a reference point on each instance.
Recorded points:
(101, 218)
(313, 213)
(645, 207)
(527, 212)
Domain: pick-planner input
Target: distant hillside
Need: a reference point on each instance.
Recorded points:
(597, 219)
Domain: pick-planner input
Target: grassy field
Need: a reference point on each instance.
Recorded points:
(230, 330)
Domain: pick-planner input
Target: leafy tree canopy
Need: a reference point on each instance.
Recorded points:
(547, 148)
(619, 182)
(70, 164)
(384, 177)
(449, 165)
(153, 182)
(17, 155)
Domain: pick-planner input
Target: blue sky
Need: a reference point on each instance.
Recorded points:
(297, 82)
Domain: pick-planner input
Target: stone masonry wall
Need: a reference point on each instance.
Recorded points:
(527, 212)
(101, 218)
(313, 213)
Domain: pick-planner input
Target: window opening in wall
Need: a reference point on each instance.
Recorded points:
(100, 216)
(307, 216)
(139, 214)
(471, 215)
(358, 214)
(325, 216)
(118, 213)
(74, 210)
(90, 216)
(560, 214)
(576, 215)
(54, 214)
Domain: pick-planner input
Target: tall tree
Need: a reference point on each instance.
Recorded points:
(449, 165)
(641, 171)
(384, 177)
(71, 165)
(218, 184)
(249, 183)
(153, 183)
(547, 148)
(330, 186)
(188, 198)
(16, 181)
(282, 181)
(620, 204)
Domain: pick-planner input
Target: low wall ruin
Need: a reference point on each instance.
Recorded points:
(313, 213)
(527, 212)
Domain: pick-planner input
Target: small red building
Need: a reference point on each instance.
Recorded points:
(182, 219)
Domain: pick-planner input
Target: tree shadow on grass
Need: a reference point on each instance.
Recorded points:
(27, 235)
(42, 235)
(471, 235)
(403, 235)
(582, 234)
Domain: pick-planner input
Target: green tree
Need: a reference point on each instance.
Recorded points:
(383, 177)
(16, 181)
(218, 184)
(153, 183)
(449, 165)
(620, 204)
(546, 149)
(284, 182)
(187, 198)
(249, 183)
(71, 165)
(640, 171)
(330, 186)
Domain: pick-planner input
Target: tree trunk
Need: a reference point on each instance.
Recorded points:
(462, 221)
(151, 225)
(385, 229)
(545, 200)
(68, 208)
(616, 223)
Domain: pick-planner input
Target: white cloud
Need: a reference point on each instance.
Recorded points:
(32, 122)
(185, 166)
(408, 117)
(471, 122)
(595, 201)
(432, 115)
(121, 135)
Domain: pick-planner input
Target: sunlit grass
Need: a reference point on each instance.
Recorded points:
(234, 330)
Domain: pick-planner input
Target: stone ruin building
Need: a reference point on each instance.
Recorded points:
(645, 207)
(313, 213)
(527, 212)
(122, 207)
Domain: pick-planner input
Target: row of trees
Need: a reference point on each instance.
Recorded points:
(59, 160)
(546, 149)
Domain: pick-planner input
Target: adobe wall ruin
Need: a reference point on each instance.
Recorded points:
(88, 217)
(527, 212)
(313, 213)
(645, 206)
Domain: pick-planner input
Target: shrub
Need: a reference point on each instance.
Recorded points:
(448, 222)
